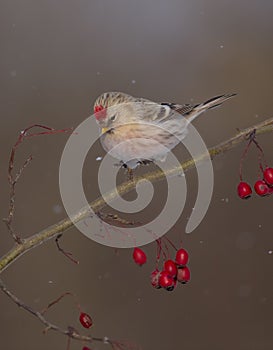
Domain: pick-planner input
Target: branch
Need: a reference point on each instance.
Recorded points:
(70, 332)
(158, 175)
(14, 178)
(57, 229)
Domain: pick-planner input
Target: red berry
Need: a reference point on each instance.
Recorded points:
(270, 190)
(268, 176)
(139, 256)
(261, 188)
(171, 268)
(166, 281)
(244, 190)
(86, 348)
(85, 320)
(183, 274)
(171, 288)
(182, 257)
(155, 278)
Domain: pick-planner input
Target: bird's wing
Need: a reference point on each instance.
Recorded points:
(181, 109)
(190, 112)
(155, 112)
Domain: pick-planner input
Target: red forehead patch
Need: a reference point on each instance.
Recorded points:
(100, 112)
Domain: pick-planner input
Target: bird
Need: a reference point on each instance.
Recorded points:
(139, 131)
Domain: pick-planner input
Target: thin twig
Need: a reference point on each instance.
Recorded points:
(13, 179)
(56, 301)
(49, 326)
(69, 255)
(70, 332)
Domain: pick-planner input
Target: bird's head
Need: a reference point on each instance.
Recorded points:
(111, 109)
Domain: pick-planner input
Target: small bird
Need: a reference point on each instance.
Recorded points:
(138, 131)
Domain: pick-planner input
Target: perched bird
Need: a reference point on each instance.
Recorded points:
(133, 129)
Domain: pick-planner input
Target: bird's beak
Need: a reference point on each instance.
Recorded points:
(104, 130)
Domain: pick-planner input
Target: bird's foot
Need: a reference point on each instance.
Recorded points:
(130, 173)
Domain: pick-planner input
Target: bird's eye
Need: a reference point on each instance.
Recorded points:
(113, 118)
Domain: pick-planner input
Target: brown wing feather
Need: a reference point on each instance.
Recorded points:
(181, 109)
(190, 112)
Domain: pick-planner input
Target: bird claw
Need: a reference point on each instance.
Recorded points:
(130, 174)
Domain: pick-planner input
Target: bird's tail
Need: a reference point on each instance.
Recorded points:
(211, 103)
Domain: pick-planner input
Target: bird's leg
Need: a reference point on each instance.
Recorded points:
(130, 174)
(129, 171)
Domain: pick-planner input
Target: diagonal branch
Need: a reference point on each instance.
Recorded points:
(22, 246)
(158, 175)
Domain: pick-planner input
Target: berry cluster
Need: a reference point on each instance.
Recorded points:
(264, 185)
(173, 271)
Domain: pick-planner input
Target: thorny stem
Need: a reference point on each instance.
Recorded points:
(52, 231)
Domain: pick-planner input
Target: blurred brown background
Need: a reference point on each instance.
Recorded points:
(56, 58)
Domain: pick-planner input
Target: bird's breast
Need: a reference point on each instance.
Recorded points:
(138, 141)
